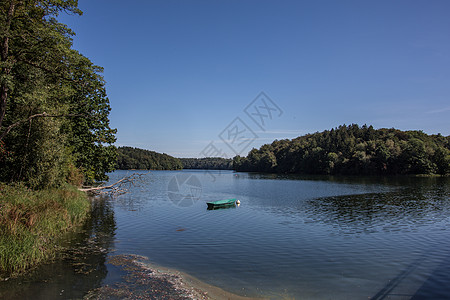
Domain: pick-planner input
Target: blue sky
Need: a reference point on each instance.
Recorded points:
(179, 73)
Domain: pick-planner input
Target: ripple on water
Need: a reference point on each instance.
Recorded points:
(299, 238)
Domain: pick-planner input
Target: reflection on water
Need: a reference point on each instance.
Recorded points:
(81, 267)
(299, 237)
(394, 211)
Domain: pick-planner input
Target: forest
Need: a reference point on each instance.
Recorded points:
(211, 163)
(139, 159)
(54, 111)
(352, 150)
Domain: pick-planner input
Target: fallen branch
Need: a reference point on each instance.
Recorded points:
(118, 188)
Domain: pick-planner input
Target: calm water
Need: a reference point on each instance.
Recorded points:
(291, 237)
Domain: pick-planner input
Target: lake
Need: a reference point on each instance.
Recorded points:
(292, 237)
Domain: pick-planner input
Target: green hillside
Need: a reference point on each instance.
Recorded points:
(353, 150)
(135, 158)
(210, 163)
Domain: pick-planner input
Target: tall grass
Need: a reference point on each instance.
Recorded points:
(31, 222)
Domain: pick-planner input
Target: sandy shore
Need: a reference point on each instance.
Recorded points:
(143, 280)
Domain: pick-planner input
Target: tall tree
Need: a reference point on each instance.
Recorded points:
(30, 35)
(53, 105)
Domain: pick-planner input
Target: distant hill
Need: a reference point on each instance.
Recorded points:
(353, 150)
(211, 163)
(135, 158)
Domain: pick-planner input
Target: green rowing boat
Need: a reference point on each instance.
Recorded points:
(221, 203)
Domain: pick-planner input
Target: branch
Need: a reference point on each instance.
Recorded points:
(118, 188)
(46, 70)
(41, 115)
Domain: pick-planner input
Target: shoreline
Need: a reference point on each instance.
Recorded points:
(151, 281)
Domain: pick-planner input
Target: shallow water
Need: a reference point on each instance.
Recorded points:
(296, 237)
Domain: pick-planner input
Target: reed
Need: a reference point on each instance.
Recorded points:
(31, 222)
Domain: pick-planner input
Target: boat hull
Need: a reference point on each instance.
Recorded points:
(221, 204)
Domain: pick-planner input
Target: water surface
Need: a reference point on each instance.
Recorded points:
(292, 236)
(302, 237)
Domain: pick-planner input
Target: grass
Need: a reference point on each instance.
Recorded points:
(32, 221)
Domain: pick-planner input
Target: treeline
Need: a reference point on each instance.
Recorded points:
(140, 159)
(54, 111)
(352, 150)
(211, 163)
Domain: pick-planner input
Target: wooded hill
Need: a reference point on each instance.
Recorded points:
(352, 150)
(211, 163)
(141, 159)
(135, 158)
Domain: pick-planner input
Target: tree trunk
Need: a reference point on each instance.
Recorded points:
(4, 58)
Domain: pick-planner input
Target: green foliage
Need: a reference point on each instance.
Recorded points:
(40, 72)
(139, 159)
(353, 150)
(31, 221)
(208, 163)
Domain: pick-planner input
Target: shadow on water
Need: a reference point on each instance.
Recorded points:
(387, 291)
(80, 268)
(221, 207)
(436, 286)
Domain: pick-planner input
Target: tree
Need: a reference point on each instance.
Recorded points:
(90, 138)
(352, 150)
(211, 163)
(135, 158)
(441, 158)
(53, 105)
(30, 35)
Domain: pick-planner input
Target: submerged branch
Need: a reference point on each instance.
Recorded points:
(118, 188)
